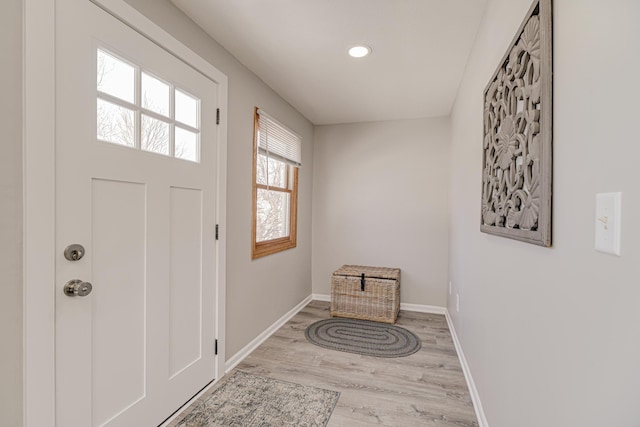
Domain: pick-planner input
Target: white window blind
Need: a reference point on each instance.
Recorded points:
(278, 142)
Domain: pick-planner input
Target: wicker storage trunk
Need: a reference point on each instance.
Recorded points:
(368, 293)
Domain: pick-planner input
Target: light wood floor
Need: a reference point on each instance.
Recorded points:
(425, 389)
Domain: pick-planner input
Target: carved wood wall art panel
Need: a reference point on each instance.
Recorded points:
(516, 176)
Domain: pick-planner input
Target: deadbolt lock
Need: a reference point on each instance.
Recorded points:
(74, 252)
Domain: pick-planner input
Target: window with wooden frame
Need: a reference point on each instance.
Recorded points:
(277, 156)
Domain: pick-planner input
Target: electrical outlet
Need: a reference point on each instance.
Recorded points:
(449, 287)
(457, 303)
(608, 206)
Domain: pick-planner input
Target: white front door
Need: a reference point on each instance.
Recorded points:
(136, 147)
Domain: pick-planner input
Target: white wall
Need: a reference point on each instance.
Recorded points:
(258, 292)
(11, 214)
(380, 197)
(552, 336)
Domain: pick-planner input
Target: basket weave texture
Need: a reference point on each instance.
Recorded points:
(380, 300)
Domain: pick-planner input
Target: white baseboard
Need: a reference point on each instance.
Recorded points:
(321, 297)
(475, 397)
(420, 308)
(234, 360)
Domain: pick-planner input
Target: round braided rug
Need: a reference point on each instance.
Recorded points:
(363, 337)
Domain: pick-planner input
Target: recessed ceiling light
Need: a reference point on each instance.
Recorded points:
(359, 51)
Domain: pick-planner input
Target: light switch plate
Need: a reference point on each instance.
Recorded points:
(608, 206)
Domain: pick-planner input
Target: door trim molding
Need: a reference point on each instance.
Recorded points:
(39, 194)
(38, 213)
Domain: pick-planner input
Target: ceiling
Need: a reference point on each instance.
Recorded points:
(299, 48)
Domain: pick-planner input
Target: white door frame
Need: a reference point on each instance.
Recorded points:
(39, 195)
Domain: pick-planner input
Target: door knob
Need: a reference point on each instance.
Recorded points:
(77, 288)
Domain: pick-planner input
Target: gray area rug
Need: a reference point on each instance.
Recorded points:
(363, 337)
(247, 400)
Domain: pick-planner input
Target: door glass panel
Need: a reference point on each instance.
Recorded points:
(139, 110)
(186, 145)
(115, 124)
(155, 135)
(115, 77)
(272, 215)
(186, 109)
(155, 95)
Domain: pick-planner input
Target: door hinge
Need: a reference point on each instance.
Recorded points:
(217, 116)
(215, 351)
(217, 231)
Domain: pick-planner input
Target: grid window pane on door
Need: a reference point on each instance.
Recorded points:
(186, 145)
(138, 109)
(155, 95)
(187, 108)
(115, 77)
(154, 135)
(115, 124)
